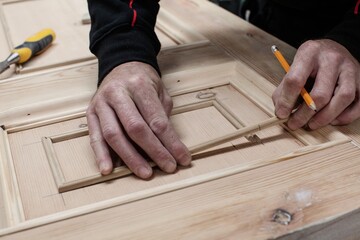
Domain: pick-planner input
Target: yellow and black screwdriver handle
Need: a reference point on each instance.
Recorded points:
(34, 45)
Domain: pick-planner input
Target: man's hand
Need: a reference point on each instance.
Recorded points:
(131, 110)
(336, 87)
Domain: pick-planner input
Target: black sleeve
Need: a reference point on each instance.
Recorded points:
(123, 31)
(347, 33)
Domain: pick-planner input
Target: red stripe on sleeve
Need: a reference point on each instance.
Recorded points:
(356, 10)
(134, 13)
(134, 18)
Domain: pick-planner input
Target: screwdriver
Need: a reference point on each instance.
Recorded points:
(32, 46)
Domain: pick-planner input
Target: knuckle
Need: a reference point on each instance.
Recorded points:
(110, 133)
(135, 127)
(94, 141)
(159, 125)
(293, 82)
(321, 99)
(352, 67)
(347, 95)
(334, 56)
(97, 108)
(309, 45)
(105, 91)
(139, 81)
(108, 94)
(91, 110)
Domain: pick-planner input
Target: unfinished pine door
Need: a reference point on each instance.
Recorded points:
(264, 185)
(49, 167)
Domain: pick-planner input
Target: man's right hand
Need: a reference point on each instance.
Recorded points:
(336, 87)
(131, 109)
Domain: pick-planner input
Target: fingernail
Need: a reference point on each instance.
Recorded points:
(105, 168)
(291, 124)
(144, 172)
(335, 122)
(314, 124)
(282, 112)
(186, 160)
(170, 166)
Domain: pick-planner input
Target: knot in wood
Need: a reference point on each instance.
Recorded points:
(205, 94)
(282, 217)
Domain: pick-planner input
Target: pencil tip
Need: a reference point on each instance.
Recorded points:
(313, 106)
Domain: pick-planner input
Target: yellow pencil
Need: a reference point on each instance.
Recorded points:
(305, 95)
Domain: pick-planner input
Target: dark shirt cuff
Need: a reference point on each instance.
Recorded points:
(125, 46)
(347, 34)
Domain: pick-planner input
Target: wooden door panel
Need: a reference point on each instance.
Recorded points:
(56, 169)
(73, 163)
(213, 95)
